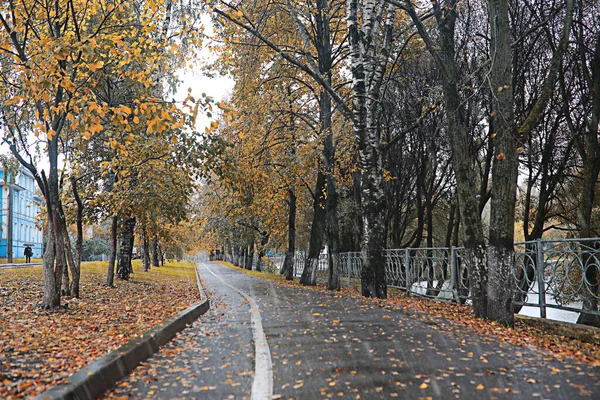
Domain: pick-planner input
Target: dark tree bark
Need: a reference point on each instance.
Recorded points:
(445, 56)
(590, 153)
(125, 249)
(331, 202)
(323, 44)
(288, 263)
(162, 255)
(317, 233)
(505, 168)
(155, 255)
(250, 256)
(66, 282)
(76, 270)
(264, 240)
(145, 251)
(244, 260)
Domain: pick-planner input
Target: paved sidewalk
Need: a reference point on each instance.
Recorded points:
(326, 346)
(23, 265)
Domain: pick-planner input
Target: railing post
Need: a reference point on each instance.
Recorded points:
(407, 269)
(539, 266)
(349, 268)
(453, 274)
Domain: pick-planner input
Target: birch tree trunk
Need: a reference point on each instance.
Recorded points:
(369, 51)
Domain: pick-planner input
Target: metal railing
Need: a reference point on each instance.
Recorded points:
(547, 273)
(555, 274)
(430, 272)
(300, 260)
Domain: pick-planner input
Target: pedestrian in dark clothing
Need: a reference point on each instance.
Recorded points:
(28, 253)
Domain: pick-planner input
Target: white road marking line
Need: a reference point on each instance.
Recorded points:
(262, 387)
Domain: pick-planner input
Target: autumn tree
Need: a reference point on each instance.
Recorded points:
(50, 53)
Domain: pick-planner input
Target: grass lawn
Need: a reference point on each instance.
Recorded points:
(39, 349)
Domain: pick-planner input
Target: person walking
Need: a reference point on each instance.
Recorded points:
(28, 253)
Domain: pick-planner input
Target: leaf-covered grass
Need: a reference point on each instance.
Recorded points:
(39, 349)
(437, 313)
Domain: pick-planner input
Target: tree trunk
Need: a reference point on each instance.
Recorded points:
(505, 169)
(288, 263)
(250, 256)
(317, 232)
(369, 57)
(590, 171)
(113, 252)
(52, 300)
(51, 288)
(76, 262)
(145, 251)
(373, 274)
(462, 159)
(331, 201)
(162, 256)
(590, 267)
(333, 235)
(125, 249)
(264, 239)
(9, 226)
(234, 255)
(244, 260)
(155, 252)
(500, 252)
(62, 264)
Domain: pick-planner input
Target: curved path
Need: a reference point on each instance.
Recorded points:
(323, 345)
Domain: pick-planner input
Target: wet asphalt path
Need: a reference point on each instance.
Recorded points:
(323, 346)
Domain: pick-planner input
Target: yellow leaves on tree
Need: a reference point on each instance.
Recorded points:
(76, 67)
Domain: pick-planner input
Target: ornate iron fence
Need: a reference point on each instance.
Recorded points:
(300, 262)
(559, 274)
(555, 274)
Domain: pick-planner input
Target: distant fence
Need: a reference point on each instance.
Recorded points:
(547, 273)
(98, 257)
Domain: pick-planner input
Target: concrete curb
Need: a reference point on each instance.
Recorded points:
(102, 374)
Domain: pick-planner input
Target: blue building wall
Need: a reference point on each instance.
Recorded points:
(26, 207)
